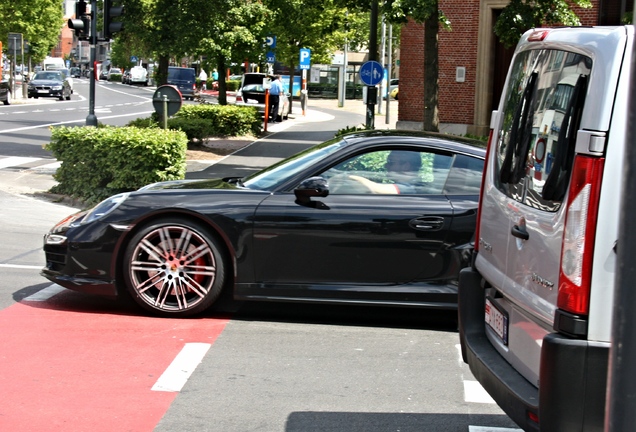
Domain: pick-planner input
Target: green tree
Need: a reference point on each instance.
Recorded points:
(39, 21)
(522, 15)
(231, 31)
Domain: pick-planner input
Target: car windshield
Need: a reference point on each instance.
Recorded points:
(48, 76)
(269, 178)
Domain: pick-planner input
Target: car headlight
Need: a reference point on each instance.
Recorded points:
(104, 207)
(57, 87)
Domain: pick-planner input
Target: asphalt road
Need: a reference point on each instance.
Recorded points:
(75, 362)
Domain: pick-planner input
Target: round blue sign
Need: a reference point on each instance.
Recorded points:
(371, 73)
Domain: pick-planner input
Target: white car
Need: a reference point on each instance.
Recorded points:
(67, 74)
(138, 75)
(535, 310)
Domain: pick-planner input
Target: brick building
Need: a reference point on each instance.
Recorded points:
(472, 64)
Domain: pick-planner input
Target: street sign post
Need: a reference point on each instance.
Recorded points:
(305, 58)
(305, 64)
(371, 73)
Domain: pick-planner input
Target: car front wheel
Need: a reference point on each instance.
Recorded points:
(174, 268)
(7, 101)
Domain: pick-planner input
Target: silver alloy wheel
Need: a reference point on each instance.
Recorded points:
(8, 101)
(174, 269)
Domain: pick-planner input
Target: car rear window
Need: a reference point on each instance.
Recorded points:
(542, 108)
(176, 74)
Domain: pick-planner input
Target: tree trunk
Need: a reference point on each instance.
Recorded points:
(162, 70)
(431, 73)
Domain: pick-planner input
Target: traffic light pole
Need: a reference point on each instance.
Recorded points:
(373, 55)
(91, 119)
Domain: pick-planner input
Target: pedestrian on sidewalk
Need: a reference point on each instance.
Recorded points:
(274, 97)
(203, 78)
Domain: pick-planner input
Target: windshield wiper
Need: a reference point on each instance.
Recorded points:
(513, 166)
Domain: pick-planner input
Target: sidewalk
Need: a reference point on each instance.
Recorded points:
(37, 181)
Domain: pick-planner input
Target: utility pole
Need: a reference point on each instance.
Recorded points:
(372, 91)
(91, 119)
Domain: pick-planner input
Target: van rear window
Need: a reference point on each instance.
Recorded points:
(180, 74)
(544, 99)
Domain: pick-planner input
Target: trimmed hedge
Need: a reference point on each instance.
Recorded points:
(100, 162)
(207, 120)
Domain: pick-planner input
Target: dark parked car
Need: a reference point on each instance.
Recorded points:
(50, 83)
(125, 78)
(252, 93)
(76, 72)
(184, 79)
(327, 225)
(5, 92)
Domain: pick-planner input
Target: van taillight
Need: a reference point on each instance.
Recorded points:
(578, 235)
(481, 190)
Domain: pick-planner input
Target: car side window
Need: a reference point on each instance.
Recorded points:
(541, 116)
(464, 177)
(390, 172)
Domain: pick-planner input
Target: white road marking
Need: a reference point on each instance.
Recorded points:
(45, 294)
(15, 161)
(491, 429)
(176, 375)
(474, 392)
(19, 266)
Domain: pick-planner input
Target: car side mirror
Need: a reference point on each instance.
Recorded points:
(312, 187)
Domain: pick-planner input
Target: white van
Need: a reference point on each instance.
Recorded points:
(53, 63)
(535, 309)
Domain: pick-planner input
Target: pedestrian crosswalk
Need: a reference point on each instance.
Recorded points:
(22, 163)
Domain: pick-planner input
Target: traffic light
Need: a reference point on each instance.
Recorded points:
(81, 24)
(111, 15)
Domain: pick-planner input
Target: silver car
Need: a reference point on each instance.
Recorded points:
(535, 310)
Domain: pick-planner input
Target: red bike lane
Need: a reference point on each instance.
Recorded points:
(67, 369)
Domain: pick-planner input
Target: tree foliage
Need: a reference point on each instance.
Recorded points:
(522, 15)
(39, 21)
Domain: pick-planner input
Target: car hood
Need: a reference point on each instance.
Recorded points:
(46, 82)
(227, 183)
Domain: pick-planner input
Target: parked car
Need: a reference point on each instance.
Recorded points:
(138, 75)
(5, 92)
(114, 74)
(67, 75)
(49, 83)
(125, 78)
(536, 308)
(308, 229)
(252, 93)
(394, 93)
(76, 72)
(393, 84)
(184, 79)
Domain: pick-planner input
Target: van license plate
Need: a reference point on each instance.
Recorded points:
(497, 321)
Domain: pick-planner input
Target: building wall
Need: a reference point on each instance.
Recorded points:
(463, 106)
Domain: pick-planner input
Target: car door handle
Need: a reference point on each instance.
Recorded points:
(519, 232)
(428, 223)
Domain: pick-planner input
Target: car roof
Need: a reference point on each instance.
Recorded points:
(453, 143)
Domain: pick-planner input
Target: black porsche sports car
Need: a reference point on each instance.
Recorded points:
(334, 224)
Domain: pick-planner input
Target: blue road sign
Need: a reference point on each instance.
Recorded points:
(305, 58)
(270, 41)
(271, 57)
(371, 73)
(133, 59)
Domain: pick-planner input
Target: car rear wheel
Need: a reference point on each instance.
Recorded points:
(174, 268)
(7, 101)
